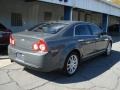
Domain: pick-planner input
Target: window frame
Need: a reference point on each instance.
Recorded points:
(89, 25)
(74, 34)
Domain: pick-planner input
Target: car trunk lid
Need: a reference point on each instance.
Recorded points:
(25, 40)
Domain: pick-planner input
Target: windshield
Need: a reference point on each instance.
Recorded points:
(51, 28)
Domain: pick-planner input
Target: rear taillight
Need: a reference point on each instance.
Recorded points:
(40, 46)
(12, 40)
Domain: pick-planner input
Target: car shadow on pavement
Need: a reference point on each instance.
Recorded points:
(89, 69)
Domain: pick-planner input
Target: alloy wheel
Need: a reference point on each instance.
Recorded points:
(72, 64)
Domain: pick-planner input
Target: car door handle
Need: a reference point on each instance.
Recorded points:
(106, 39)
(96, 38)
(81, 40)
(87, 42)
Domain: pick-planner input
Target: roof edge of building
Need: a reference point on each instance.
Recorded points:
(111, 4)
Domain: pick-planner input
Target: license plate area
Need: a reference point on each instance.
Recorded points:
(19, 56)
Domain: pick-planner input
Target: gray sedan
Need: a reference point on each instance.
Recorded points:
(60, 45)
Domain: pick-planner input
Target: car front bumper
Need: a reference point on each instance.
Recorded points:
(40, 61)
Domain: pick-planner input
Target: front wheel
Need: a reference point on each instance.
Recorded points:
(71, 64)
(109, 49)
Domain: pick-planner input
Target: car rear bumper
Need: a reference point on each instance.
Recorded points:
(40, 61)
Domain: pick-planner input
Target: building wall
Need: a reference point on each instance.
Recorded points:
(97, 18)
(16, 6)
(57, 11)
(32, 13)
(75, 15)
(83, 15)
(92, 5)
(113, 20)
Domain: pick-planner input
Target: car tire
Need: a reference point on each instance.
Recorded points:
(71, 64)
(109, 49)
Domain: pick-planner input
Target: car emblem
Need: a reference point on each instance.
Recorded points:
(22, 39)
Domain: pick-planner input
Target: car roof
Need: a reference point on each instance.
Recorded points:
(69, 22)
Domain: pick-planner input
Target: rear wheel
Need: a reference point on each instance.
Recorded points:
(71, 64)
(109, 49)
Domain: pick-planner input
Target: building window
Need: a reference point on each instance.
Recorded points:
(47, 16)
(16, 19)
(82, 30)
(63, 0)
(88, 18)
(62, 18)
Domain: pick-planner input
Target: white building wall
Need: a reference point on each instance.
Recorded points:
(92, 5)
(33, 12)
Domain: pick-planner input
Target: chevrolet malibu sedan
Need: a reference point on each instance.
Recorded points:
(60, 45)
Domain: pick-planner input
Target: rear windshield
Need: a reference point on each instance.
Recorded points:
(51, 28)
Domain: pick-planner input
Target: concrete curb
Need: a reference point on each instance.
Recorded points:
(4, 57)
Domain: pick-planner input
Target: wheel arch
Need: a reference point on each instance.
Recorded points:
(67, 54)
(76, 51)
(111, 42)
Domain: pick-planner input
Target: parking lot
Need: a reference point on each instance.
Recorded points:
(100, 73)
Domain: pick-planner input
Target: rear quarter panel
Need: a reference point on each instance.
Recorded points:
(60, 49)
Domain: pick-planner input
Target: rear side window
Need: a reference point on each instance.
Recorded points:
(69, 31)
(51, 28)
(95, 29)
(82, 30)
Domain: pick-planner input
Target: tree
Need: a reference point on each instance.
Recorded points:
(116, 1)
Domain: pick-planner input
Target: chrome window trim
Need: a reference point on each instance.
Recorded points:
(86, 35)
(95, 26)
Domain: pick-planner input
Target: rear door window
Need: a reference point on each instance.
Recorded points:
(82, 30)
(95, 29)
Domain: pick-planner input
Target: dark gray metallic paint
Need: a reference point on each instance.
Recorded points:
(60, 46)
